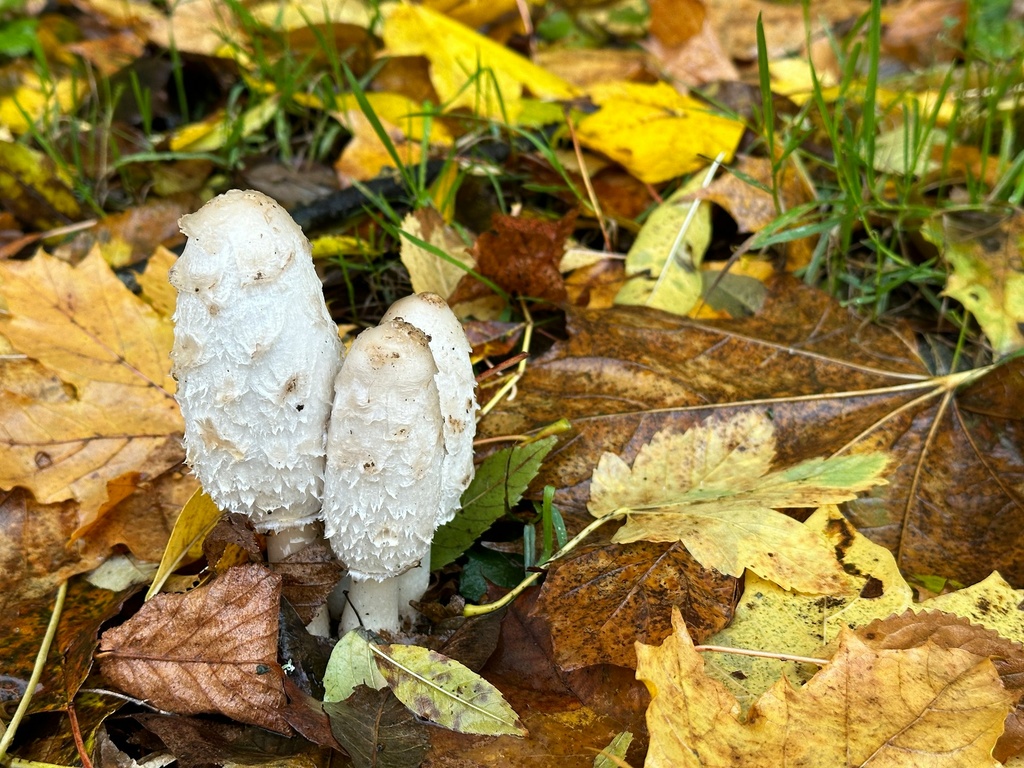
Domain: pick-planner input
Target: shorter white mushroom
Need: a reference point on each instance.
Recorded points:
(385, 449)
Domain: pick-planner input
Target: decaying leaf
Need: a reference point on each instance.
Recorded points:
(926, 706)
(771, 619)
(106, 410)
(377, 730)
(445, 692)
(913, 629)
(991, 603)
(210, 650)
(34, 189)
(599, 601)
(711, 488)
(988, 274)
(522, 255)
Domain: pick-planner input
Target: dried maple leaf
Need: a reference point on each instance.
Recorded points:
(210, 650)
(923, 707)
(710, 487)
(104, 409)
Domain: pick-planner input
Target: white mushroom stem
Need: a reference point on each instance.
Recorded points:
(255, 356)
(385, 448)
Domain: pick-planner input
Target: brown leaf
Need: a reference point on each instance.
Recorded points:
(829, 383)
(200, 743)
(308, 577)
(673, 22)
(522, 255)
(377, 730)
(210, 650)
(599, 601)
(104, 408)
(923, 33)
(914, 629)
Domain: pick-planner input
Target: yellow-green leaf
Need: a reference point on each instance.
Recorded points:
(445, 692)
(655, 281)
(351, 665)
(655, 132)
(711, 489)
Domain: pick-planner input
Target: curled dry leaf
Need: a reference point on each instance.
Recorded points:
(210, 650)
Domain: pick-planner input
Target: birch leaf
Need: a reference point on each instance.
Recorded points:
(445, 692)
(710, 487)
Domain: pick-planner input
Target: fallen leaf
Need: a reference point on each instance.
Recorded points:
(308, 577)
(446, 692)
(696, 62)
(988, 273)
(469, 70)
(912, 629)
(663, 264)
(350, 666)
(599, 601)
(428, 272)
(991, 603)
(771, 619)
(654, 132)
(210, 650)
(522, 255)
(673, 23)
(198, 517)
(377, 730)
(926, 706)
(113, 413)
(34, 189)
(711, 488)
(828, 382)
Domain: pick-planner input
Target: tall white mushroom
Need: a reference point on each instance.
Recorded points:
(255, 356)
(385, 449)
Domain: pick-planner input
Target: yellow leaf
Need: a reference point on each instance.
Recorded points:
(108, 411)
(31, 99)
(923, 708)
(988, 274)
(400, 111)
(775, 620)
(992, 603)
(711, 489)
(655, 132)
(467, 69)
(157, 290)
(674, 286)
(215, 131)
(428, 271)
(34, 189)
(198, 517)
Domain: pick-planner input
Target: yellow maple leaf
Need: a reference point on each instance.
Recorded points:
(655, 132)
(105, 411)
(468, 70)
(710, 488)
(428, 272)
(923, 707)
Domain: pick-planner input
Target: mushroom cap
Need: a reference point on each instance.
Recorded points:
(255, 355)
(456, 387)
(385, 447)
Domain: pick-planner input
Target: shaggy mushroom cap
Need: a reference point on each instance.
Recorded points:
(255, 356)
(456, 387)
(385, 447)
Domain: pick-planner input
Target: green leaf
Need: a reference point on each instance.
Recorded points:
(617, 748)
(505, 569)
(500, 482)
(445, 692)
(351, 665)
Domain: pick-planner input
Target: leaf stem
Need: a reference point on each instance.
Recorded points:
(522, 586)
(37, 671)
(761, 654)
